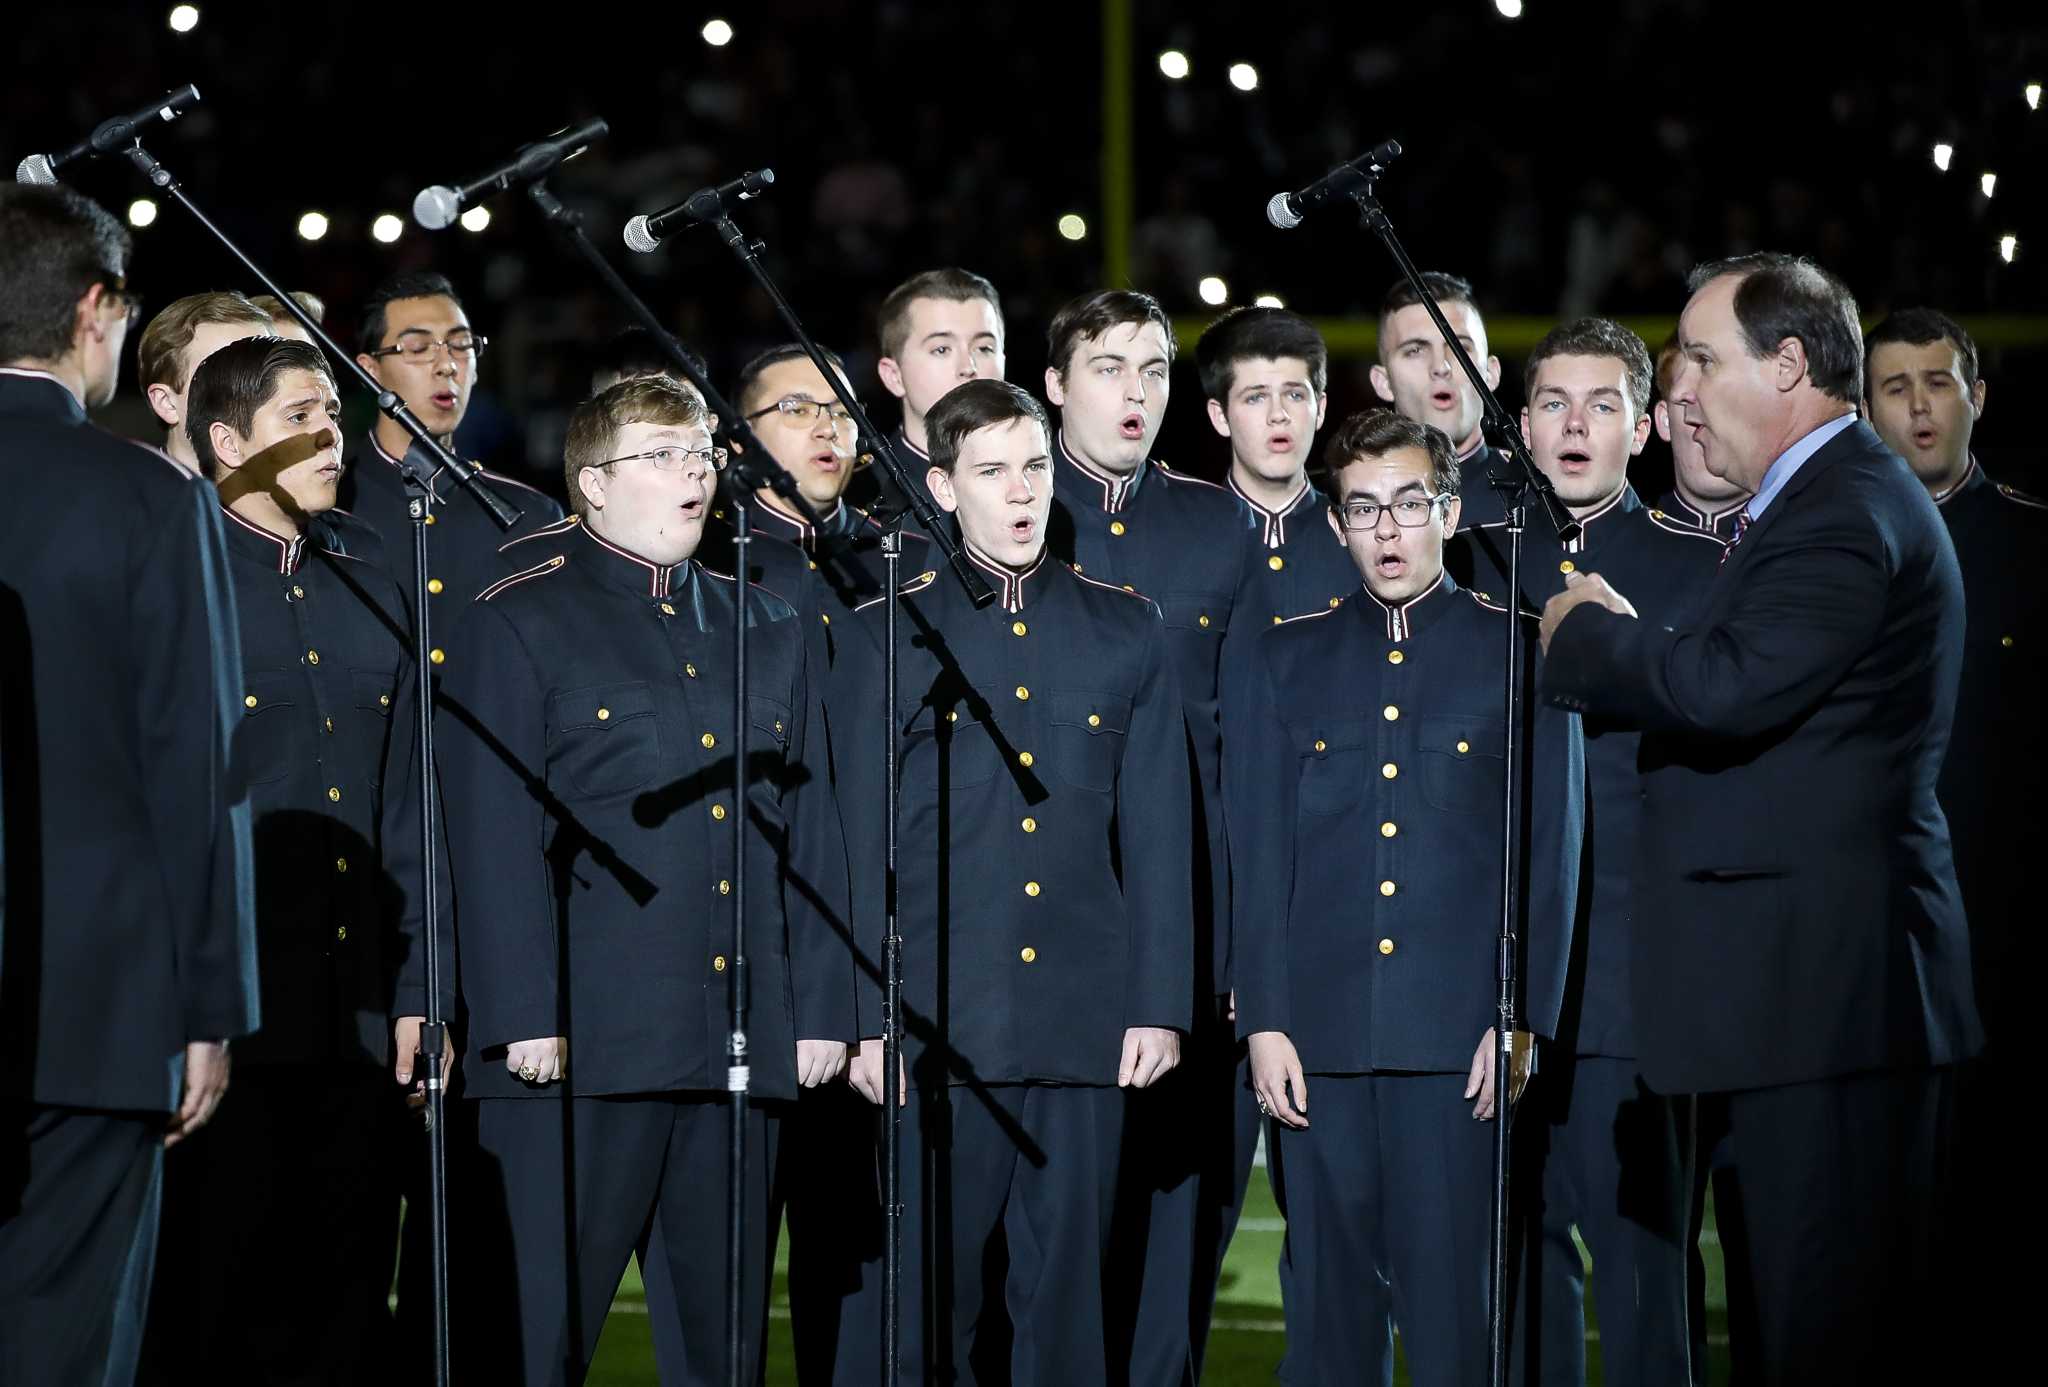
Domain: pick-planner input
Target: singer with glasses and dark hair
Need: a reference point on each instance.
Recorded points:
(1363, 766)
(326, 735)
(127, 955)
(587, 753)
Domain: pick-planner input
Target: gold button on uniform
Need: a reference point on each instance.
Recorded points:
(1022, 692)
(1277, 618)
(1394, 657)
(1387, 829)
(1567, 567)
(2005, 641)
(953, 716)
(812, 565)
(667, 609)
(1024, 758)
(312, 657)
(1129, 588)
(778, 724)
(1336, 602)
(718, 964)
(1031, 825)
(1386, 946)
(604, 714)
(1095, 719)
(1276, 563)
(1030, 888)
(249, 702)
(1464, 747)
(1390, 713)
(1116, 527)
(1390, 770)
(1203, 622)
(1028, 954)
(341, 864)
(1386, 888)
(824, 617)
(725, 888)
(430, 518)
(436, 656)
(717, 811)
(708, 740)
(690, 670)
(383, 700)
(341, 933)
(434, 585)
(1321, 745)
(1018, 628)
(298, 592)
(330, 725)
(334, 793)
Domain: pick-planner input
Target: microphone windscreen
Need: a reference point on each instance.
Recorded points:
(1282, 215)
(436, 207)
(35, 169)
(638, 237)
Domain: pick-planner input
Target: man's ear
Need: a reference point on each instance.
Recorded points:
(591, 481)
(1220, 419)
(892, 376)
(1790, 366)
(1976, 401)
(940, 481)
(1642, 437)
(1451, 513)
(1055, 388)
(227, 448)
(1382, 384)
(1662, 411)
(369, 363)
(1527, 441)
(1493, 373)
(164, 402)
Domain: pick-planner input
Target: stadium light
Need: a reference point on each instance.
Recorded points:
(476, 218)
(1989, 183)
(1174, 64)
(1269, 301)
(141, 212)
(387, 228)
(2033, 94)
(2008, 247)
(1073, 227)
(184, 18)
(1509, 9)
(1214, 291)
(1244, 77)
(312, 226)
(1942, 154)
(717, 33)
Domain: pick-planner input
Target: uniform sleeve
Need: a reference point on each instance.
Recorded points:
(1555, 813)
(855, 701)
(1154, 826)
(187, 689)
(1806, 609)
(815, 890)
(1259, 771)
(491, 741)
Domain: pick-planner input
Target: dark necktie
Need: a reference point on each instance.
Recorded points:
(1742, 523)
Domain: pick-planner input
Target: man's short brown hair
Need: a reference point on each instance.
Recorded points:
(160, 356)
(973, 406)
(1668, 358)
(315, 306)
(1373, 433)
(594, 427)
(953, 284)
(1094, 314)
(1598, 337)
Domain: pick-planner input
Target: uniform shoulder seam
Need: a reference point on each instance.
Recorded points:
(1679, 527)
(1107, 587)
(546, 566)
(2015, 495)
(917, 584)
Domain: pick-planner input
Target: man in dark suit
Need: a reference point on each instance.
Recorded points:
(127, 953)
(1802, 956)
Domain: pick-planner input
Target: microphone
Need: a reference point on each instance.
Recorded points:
(647, 231)
(108, 137)
(438, 206)
(1287, 210)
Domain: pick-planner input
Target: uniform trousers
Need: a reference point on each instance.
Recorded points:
(1389, 1204)
(1596, 1150)
(1006, 1196)
(575, 1187)
(828, 1185)
(78, 1218)
(274, 1260)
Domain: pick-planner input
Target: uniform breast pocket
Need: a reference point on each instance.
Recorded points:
(769, 723)
(371, 691)
(263, 743)
(603, 740)
(955, 745)
(1199, 611)
(1334, 762)
(1463, 765)
(1088, 731)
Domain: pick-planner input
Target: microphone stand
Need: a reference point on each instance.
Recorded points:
(422, 461)
(750, 469)
(979, 593)
(1521, 479)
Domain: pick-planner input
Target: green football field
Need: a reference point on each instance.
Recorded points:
(1244, 1345)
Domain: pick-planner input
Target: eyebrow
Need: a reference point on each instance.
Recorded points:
(1402, 490)
(290, 405)
(1261, 385)
(1596, 391)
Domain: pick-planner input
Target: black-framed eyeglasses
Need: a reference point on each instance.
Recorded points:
(803, 411)
(117, 288)
(1409, 512)
(676, 459)
(418, 346)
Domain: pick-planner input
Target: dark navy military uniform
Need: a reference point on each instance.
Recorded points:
(327, 743)
(1992, 791)
(587, 755)
(1179, 541)
(1044, 889)
(1605, 1152)
(1363, 772)
(1720, 524)
(1294, 565)
(1478, 500)
(128, 926)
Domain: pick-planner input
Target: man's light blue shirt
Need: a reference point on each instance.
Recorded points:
(1791, 460)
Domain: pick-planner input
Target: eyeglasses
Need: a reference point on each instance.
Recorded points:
(418, 346)
(803, 411)
(117, 291)
(676, 459)
(1409, 512)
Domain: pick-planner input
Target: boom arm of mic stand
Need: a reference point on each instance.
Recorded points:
(1373, 216)
(426, 456)
(749, 253)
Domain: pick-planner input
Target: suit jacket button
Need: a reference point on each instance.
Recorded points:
(1386, 946)
(1028, 954)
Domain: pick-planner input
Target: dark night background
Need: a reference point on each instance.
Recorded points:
(1576, 159)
